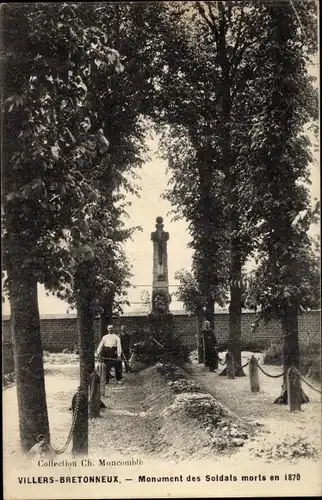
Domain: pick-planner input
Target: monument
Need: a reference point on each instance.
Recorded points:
(160, 280)
(160, 318)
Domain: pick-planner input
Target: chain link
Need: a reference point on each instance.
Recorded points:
(237, 364)
(71, 432)
(268, 374)
(274, 376)
(241, 366)
(305, 381)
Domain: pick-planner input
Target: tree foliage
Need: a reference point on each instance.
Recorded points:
(280, 163)
(65, 159)
(239, 94)
(189, 293)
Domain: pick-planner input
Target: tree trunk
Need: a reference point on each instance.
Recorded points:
(234, 343)
(107, 314)
(210, 316)
(200, 339)
(210, 312)
(26, 338)
(291, 352)
(86, 342)
(231, 183)
(85, 315)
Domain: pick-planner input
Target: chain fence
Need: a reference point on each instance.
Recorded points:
(283, 374)
(240, 366)
(305, 381)
(269, 375)
(72, 428)
(44, 445)
(43, 442)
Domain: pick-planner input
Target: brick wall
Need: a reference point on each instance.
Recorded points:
(61, 332)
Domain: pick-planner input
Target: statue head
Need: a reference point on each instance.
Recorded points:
(159, 223)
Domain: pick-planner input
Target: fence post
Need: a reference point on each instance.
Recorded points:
(293, 390)
(253, 374)
(230, 366)
(101, 370)
(95, 395)
(80, 435)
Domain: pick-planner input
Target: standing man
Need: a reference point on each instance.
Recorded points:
(125, 342)
(110, 348)
(210, 347)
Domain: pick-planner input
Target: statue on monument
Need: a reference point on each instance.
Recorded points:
(161, 260)
(160, 286)
(160, 237)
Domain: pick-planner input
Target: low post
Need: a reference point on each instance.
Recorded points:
(254, 374)
(230, 366)
(101, 371)
(216, 363)
(293, 390)
(94, 395)
(80, 434)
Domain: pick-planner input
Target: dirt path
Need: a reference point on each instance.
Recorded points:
(280, 425)
(123, 429)
(136, 422)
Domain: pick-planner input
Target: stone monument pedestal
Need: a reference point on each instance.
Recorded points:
(161, 326)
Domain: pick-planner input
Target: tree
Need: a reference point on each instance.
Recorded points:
(195, 192)
(194, 301)
(208, 87)
(49, 57)
(279, 162)
(82, 129)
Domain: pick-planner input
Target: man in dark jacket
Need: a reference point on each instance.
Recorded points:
(210, 347)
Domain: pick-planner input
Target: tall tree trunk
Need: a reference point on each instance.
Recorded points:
(210, 312)
(234, 343)
(107, 314)
(291, 351)
(26, 338)
(231, 183)
(85, 315)
(86, 342)
(201, 353)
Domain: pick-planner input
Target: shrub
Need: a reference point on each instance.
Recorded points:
(148, 352)
(245, 345)
(274, 355)
(310, 358)
(310, 361)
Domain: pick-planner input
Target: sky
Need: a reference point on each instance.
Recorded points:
(143, 212)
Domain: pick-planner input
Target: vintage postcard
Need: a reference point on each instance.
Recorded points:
(160, 249)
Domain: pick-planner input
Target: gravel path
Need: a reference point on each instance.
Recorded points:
(141, 422)
(127, 428)
(277, 421)
(123, 429)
